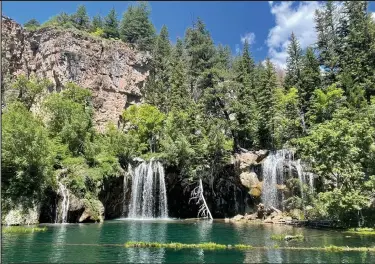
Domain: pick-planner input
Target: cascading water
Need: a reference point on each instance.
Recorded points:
(272, 168)
(64, 192)
(149, 195)
(273, 174)
(301, 177)
(128, 174)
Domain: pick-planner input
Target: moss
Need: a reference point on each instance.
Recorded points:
(209, 245)
(333, 248)
(279, 237)
(214, 246)
(243, 246)
(361, 231)
(22, 229)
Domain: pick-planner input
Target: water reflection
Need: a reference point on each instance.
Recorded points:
(150, 232)
(90, 243)
(58, 238)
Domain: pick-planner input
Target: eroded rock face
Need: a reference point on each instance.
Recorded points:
(20, 216)
(113, 71)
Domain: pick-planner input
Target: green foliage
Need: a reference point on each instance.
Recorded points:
(32, 24)
(294, 64)
(111, 25)
(25, 155)
(136, 27)
(27, 91)
(145, 124)
(80, 19)
(22, 229)
(97, 24)
(70, 117)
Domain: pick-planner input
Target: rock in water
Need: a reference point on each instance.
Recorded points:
(238, 217)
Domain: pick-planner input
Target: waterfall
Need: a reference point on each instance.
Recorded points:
(128, 174)
(65, 202)
(149, 195)
(273, 174)
(301, 178)
(272, 168)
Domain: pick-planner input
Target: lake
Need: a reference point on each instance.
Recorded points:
(75, 243)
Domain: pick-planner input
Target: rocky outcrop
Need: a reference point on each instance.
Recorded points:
(112, 70)
(20, 216)
(248, 168)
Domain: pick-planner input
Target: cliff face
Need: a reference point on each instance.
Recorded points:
(113, 71)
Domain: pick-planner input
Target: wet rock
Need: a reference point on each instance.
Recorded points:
(251, 217)
(238, 217)
(268, 221)
(94, 211)
(249, 179)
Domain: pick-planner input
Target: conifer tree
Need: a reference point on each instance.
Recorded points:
(111, 25)
(268, 84)
(310, 79)
(158, 86)
(200, 53)
(97, 22)
(80, 19)
(293, 64)
(136, 27)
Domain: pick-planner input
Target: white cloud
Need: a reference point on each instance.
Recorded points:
(250, 37)
(299, 20)
(373, 16)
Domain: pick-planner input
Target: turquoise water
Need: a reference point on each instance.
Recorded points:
(79, 243)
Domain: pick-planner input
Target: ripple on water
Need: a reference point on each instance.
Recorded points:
(104, 243)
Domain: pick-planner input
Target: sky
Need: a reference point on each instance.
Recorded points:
(266, 25)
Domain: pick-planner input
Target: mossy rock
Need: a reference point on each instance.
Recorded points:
(94, 211)
(255, 192)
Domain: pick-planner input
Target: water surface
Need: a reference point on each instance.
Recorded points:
(79, 243)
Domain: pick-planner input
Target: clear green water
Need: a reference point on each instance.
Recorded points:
(93, 243)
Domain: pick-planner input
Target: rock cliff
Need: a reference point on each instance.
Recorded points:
(113, 71)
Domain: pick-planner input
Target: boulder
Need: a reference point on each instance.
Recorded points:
(245, 160)
(94, 211)
(251, 217)
(238, 217)
(249, 179)
(255, 192)
(262, 154)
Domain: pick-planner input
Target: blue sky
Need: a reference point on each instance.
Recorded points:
(266, 24)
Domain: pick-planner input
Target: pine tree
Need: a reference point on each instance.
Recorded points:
(136, 27)
(328, 41)
(200, 53)
(268, 84)
(97, 22)
(80, 19)
(357, 61)
(293, 64)
(111, 25)
(158, 87)
(32, 24)
(179, 98)
(310, 78)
